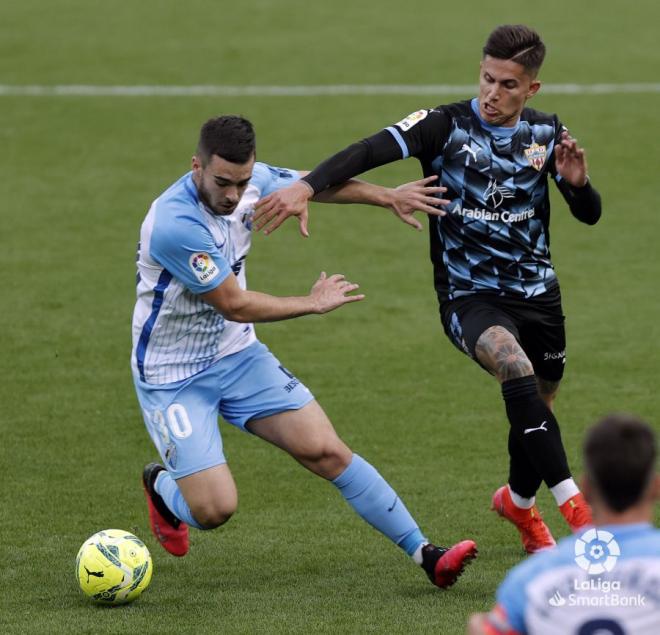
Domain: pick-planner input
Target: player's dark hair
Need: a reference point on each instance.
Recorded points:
(619, 454)
(230, 137)
(518, 43)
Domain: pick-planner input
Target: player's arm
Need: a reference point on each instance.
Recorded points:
(402, 201)
(493, 623)
(571, 166)
(274, 209)
(241, 305)
(186, 249)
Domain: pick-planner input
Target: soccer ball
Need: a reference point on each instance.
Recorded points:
(113, 567)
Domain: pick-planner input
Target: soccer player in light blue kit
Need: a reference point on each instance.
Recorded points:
(196, 355)
(605, 580)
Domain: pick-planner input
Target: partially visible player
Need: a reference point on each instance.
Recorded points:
(605, 581)
(196, 355)
(500, 302)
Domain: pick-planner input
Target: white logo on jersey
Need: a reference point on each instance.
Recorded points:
(412, 119)
(596, 551)
(203, 267)
(557, 599)
(472, 151)
(497, 193)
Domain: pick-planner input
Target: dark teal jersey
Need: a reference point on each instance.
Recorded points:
(495, 237)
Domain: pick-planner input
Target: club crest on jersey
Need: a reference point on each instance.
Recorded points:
(412, 119)
(203, 267)
(536, 156)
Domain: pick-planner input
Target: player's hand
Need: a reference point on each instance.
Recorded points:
(274, 209)
(330, 293)
(571, 161)
(417, 196)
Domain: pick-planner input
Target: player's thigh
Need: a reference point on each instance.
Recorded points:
(543, 337)
(486, 332)
(263, 397)
(182, 420)
(257, 385)
(308, 435)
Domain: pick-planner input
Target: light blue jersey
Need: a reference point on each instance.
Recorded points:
(185, 250)
(605, 580)
(189, 363)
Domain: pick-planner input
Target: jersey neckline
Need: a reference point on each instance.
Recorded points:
(497, 131)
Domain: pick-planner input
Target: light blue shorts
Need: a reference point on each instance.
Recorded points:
(182, 417)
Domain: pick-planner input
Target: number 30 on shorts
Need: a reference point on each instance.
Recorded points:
(175, 420)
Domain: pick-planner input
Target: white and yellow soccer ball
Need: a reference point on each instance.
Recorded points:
(113, 567)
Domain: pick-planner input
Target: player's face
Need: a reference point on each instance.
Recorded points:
(504, 87)
(220, 183)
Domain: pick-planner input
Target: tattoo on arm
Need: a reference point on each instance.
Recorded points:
(498, 350)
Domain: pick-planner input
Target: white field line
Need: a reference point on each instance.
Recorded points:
(86, 90)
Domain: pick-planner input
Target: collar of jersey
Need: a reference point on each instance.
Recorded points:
(191, 187)
(496, 131)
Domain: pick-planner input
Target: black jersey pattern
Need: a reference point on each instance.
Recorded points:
(495, 236)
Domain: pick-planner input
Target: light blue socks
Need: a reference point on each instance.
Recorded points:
(169, 491)
(371, 496)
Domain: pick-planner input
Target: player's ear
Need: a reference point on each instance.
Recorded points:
(196, 163)
(655, 487)
(533, 88)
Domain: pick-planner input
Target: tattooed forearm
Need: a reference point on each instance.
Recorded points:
(498, 350)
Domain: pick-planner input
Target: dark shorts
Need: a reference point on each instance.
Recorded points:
(537, 323)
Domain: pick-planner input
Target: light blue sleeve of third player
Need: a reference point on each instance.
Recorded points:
(185, 247)
(268, 179)
(511, 594)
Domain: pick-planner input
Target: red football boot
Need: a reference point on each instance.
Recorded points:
(170, 532)
(444, 565)
(577, 513)
(534, 532)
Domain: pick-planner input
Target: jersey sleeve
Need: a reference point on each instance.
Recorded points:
(422, 133)
(187, 250)
(560, 128)
(511, 597)
(268, 179)
(584, 202)
(497, 623)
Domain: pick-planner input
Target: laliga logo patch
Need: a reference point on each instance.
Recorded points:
(536, 156)
(412, 119)
(203, 267)
(596, 551)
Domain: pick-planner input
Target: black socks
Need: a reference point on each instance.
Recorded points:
(535, 445)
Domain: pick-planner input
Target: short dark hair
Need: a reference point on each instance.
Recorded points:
(231, 137)
(518, 43)
(619, 455)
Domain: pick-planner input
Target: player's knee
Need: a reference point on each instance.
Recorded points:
(327, 459)
(548, 390)
(515, 368)
(214, 514)
(499, 351)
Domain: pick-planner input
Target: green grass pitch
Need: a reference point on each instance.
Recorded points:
(78, 174)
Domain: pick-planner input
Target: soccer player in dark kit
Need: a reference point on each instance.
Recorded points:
(499, 296)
